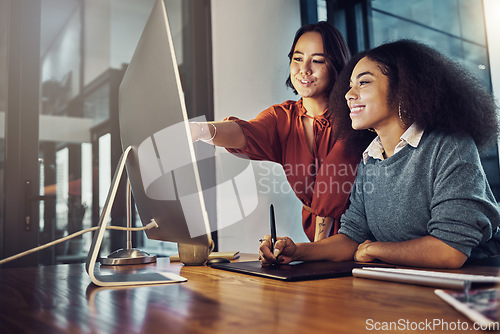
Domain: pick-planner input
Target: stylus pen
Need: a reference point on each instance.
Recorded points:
(273, 227)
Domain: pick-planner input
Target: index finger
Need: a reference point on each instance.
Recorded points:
(265, 247)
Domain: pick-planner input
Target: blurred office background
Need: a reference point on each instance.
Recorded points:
(61, 63)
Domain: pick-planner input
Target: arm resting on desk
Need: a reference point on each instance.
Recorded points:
(427, 251)
(338, 247)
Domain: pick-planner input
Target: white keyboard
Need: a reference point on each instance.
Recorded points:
(425, 277)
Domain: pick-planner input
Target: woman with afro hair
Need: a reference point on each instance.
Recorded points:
(421, 197)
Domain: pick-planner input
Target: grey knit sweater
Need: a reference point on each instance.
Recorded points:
(438, 188)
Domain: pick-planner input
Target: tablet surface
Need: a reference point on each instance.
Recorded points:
(295, 271)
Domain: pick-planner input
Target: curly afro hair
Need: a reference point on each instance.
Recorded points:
(433, 91)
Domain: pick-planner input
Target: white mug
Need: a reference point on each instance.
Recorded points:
(194, 255)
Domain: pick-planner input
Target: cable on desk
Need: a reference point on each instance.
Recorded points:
(71, 236)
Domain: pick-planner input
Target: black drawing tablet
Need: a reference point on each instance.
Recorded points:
(295, 271)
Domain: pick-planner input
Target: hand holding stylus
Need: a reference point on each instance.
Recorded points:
(282, 253)
(273, 251)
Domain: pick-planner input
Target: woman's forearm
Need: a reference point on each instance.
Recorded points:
(337, 248)
(323, 228)
(226, 134)
(427, 252)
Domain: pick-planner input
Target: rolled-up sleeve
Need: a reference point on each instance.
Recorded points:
(463, 210)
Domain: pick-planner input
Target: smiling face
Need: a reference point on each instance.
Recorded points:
(367, 97)
(308, 71)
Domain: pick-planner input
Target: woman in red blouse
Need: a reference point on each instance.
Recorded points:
(298, 134)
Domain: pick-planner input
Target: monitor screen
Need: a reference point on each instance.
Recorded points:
(161, 166)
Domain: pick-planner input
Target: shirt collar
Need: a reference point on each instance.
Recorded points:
(411, 136)
(321, 120)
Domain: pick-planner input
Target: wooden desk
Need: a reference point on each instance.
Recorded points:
(61, 299)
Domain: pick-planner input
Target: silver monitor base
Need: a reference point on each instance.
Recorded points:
(122, 257)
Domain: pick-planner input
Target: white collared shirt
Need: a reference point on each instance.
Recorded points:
(411, 137)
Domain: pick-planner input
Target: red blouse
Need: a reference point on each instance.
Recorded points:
(322, 180)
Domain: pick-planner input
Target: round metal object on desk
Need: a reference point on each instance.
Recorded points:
(127, 257)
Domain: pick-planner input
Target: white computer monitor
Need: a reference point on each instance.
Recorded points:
(162, 166)
(158, 151)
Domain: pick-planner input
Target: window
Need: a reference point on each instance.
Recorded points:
(455, 28)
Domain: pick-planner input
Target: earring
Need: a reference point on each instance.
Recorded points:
(399, 112)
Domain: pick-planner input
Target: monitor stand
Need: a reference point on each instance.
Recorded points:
(129, 255)
(119, 279)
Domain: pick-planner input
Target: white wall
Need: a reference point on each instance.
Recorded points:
(128, 18)
(492, 13)
(251, 40)
(114, 28)
(97, 39)
(62, 61)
